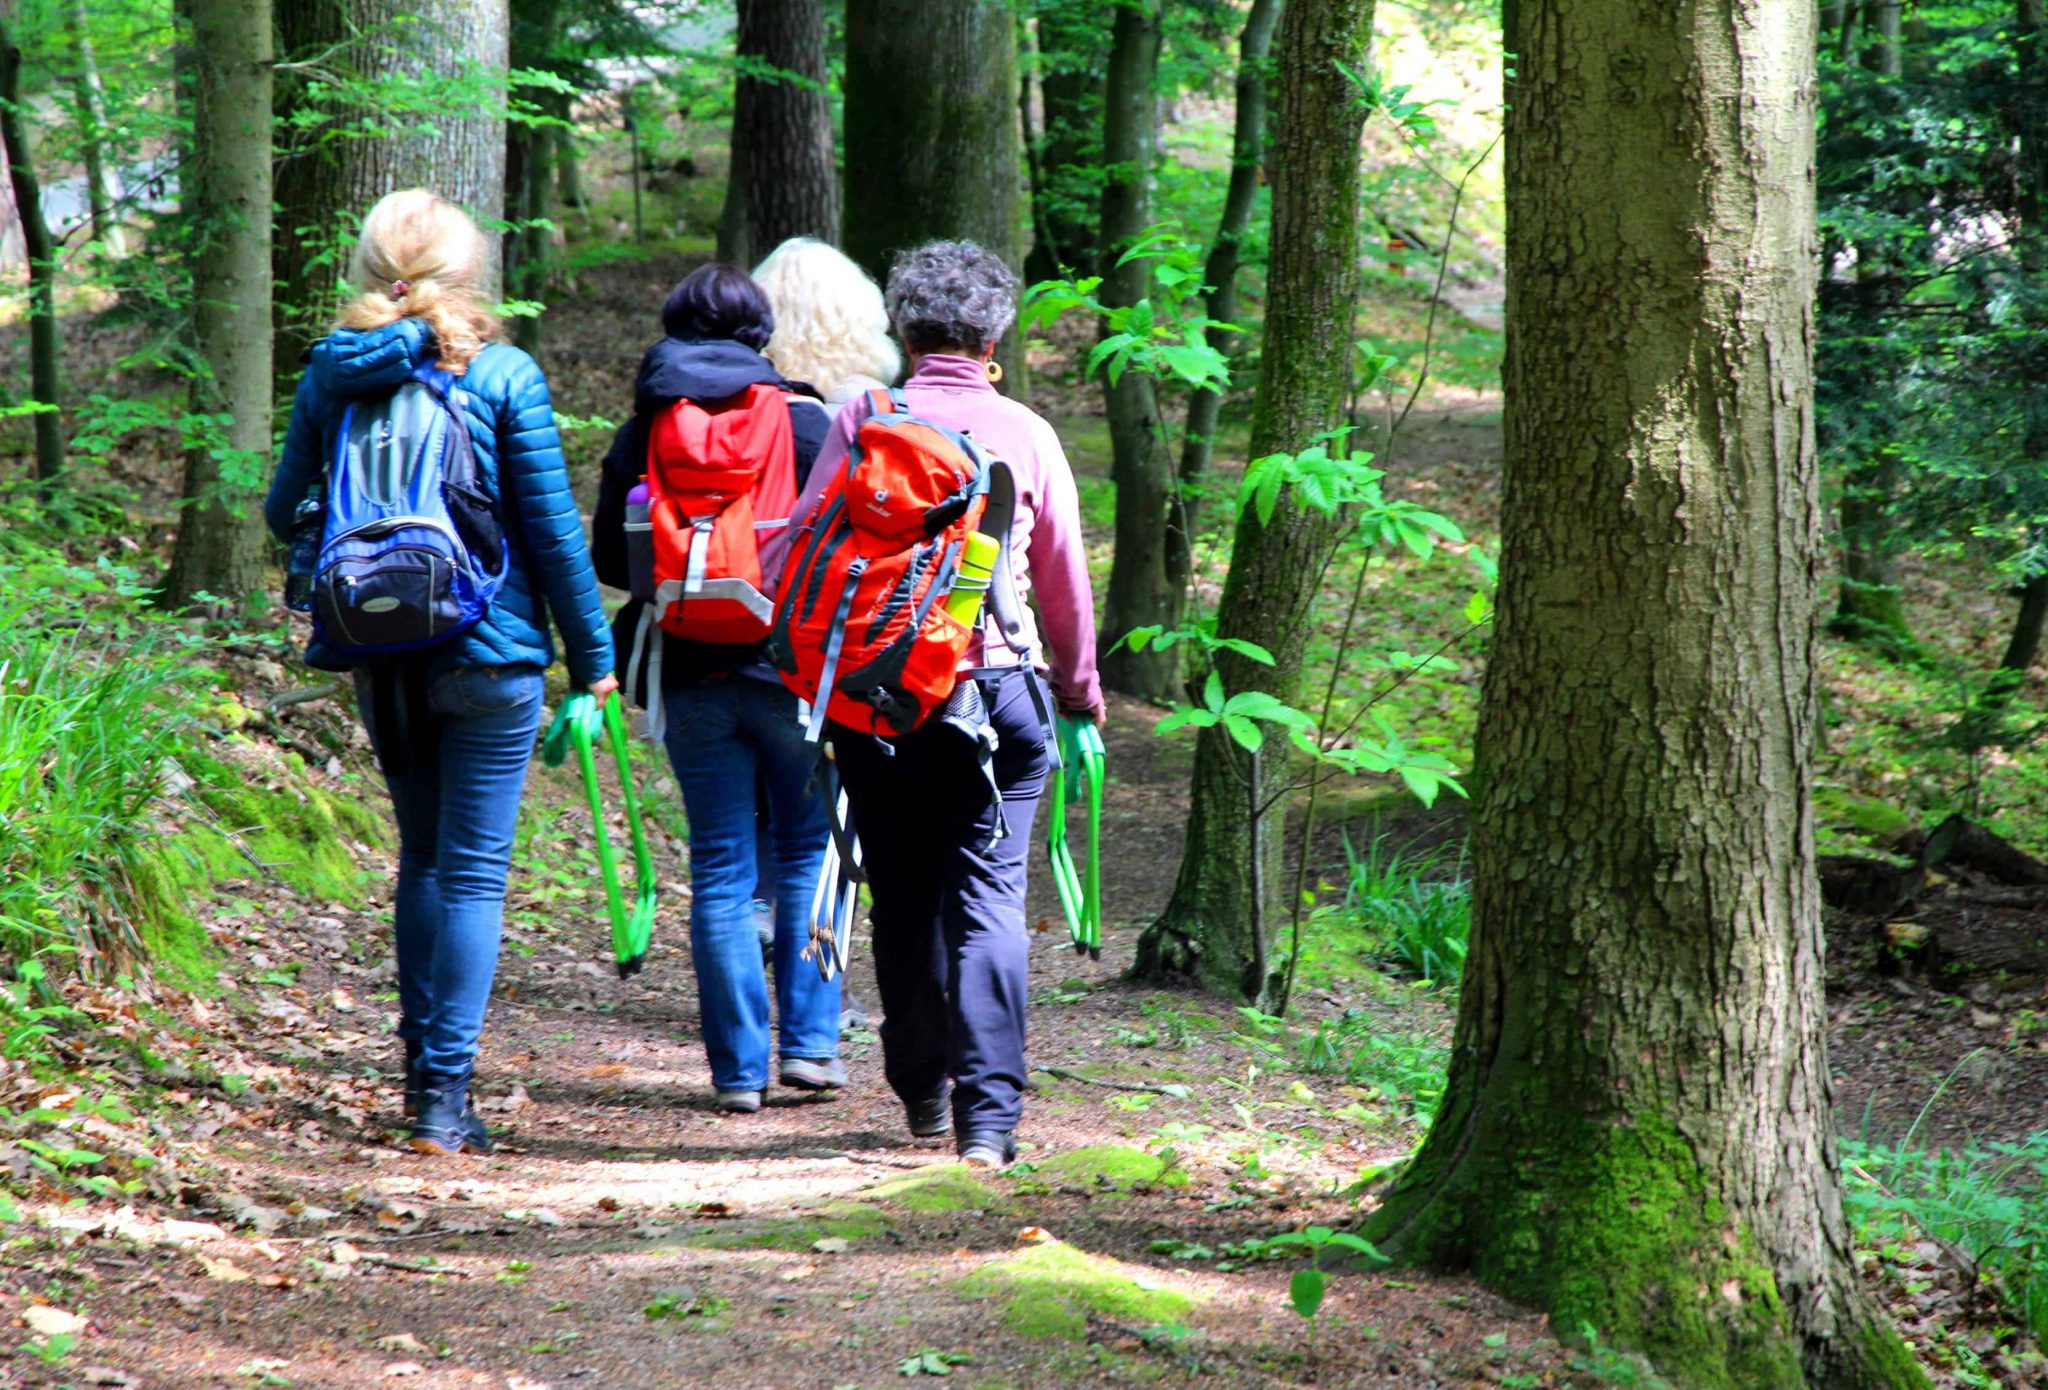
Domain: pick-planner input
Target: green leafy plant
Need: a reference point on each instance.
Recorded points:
(679, 1306)
(1309, 1286)
(933, 1362)
(1422, 922)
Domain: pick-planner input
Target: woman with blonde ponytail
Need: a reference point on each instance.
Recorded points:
(453, 724)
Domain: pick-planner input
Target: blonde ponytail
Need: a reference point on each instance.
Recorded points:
(421, 257)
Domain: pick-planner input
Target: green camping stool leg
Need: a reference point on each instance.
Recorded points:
(575, 727)
(1080, 893)
(1094, 770)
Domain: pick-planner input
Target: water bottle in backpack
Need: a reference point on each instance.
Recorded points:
(412, 553)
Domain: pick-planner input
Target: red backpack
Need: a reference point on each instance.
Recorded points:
(862, 631)
(721, 481)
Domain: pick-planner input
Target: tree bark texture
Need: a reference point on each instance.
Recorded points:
(792, 174)
(102, 180)
(1211, 929)
(1219, 273)
(1884, 52)
(334, 172)
(1140, 592)
(1073, 72)
(45, 380)
(1638, 1132)
(530, 168)
(227, 205)
(932, 145)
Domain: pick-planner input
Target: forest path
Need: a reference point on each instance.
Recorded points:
(628, 1234)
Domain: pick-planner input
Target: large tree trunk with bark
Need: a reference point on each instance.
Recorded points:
(45, 383)
(530, 168)
(1140, 592)
(1247, 151)
(931, 134)
(333, 172)
(227, 204)
(791, 186)
(1073, 45)
(1638, 1134)
(1217, 929)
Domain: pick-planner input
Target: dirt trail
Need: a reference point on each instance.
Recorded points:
(627, 1234)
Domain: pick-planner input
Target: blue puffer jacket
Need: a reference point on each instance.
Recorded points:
(519, 458)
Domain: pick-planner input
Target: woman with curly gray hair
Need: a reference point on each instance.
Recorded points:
(951, 944)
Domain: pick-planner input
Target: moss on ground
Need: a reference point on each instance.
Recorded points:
(1049, 1289)
(848, 1221)
(941, 1187)
(1113, 1167)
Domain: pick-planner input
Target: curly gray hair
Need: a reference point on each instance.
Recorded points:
(950, 294)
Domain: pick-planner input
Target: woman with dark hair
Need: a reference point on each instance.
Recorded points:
(731, 728)
(952, 949)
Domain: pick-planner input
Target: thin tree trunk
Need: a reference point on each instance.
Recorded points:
(569, 170)
(1638, 1133)
(1140, 593)
(43, 363)
(334, 172)
(1885, 52)
(227, 198)
(734, 246)
(792, 183)
(102, 180)
(1209, 931)
(1247, 150)
(1073, 46)
(931, 135)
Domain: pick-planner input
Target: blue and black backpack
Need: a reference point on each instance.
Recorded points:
(412, 552)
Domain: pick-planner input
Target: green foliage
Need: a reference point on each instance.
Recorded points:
(1163, 335)
(1988, 1202)
(1422, 919)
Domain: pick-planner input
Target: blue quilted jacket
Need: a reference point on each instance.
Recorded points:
(519, 459)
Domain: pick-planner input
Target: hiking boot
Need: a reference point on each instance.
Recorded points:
(447, 1123)
(988, 1148)
(739, 1102)
(414, 1084)
(813, 1073)
(931, 1117)
(764, 926)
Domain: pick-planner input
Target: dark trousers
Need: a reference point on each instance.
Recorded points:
(952, 948)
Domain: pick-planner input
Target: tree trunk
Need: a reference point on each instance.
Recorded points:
(1884, 52)
(1871, 603)
(931, 134)
(1073, 69)
(1211, 930)
(227, 204)
(1638, 1134)
(734, 246)
(1139, 591)
(44, 380)
(102, 181)
(792, 177)
(335, 171)
(569, 171)
(1247, 150)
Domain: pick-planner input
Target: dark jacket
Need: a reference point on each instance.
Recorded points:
(708, 372)
(519, 464)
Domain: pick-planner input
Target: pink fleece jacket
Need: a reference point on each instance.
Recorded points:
(1047, 551)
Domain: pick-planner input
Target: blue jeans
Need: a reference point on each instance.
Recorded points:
(456, 768)
(727, 738)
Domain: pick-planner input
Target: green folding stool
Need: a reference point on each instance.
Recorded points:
(577, 725)
(1080, 890)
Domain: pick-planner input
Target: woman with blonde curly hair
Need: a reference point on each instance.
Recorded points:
(453, 724)
(831, 331)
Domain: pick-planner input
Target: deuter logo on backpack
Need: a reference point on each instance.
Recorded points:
(411, 551)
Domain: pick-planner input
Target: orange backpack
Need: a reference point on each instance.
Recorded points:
(862, 632)
(721, 480)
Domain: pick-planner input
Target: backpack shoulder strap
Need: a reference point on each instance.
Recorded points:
(882, 401)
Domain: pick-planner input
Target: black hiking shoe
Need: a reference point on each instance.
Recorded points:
(988, 1148)
(447, 1122)
(929, 1118)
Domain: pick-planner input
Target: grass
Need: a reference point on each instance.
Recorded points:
(94, 698)
(1416, 909)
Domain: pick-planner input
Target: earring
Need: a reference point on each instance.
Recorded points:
(994, 369)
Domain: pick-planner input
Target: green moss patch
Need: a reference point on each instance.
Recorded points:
(1110, 1167)
(941, 1187)
(847, 1221)
(1049, 1289)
